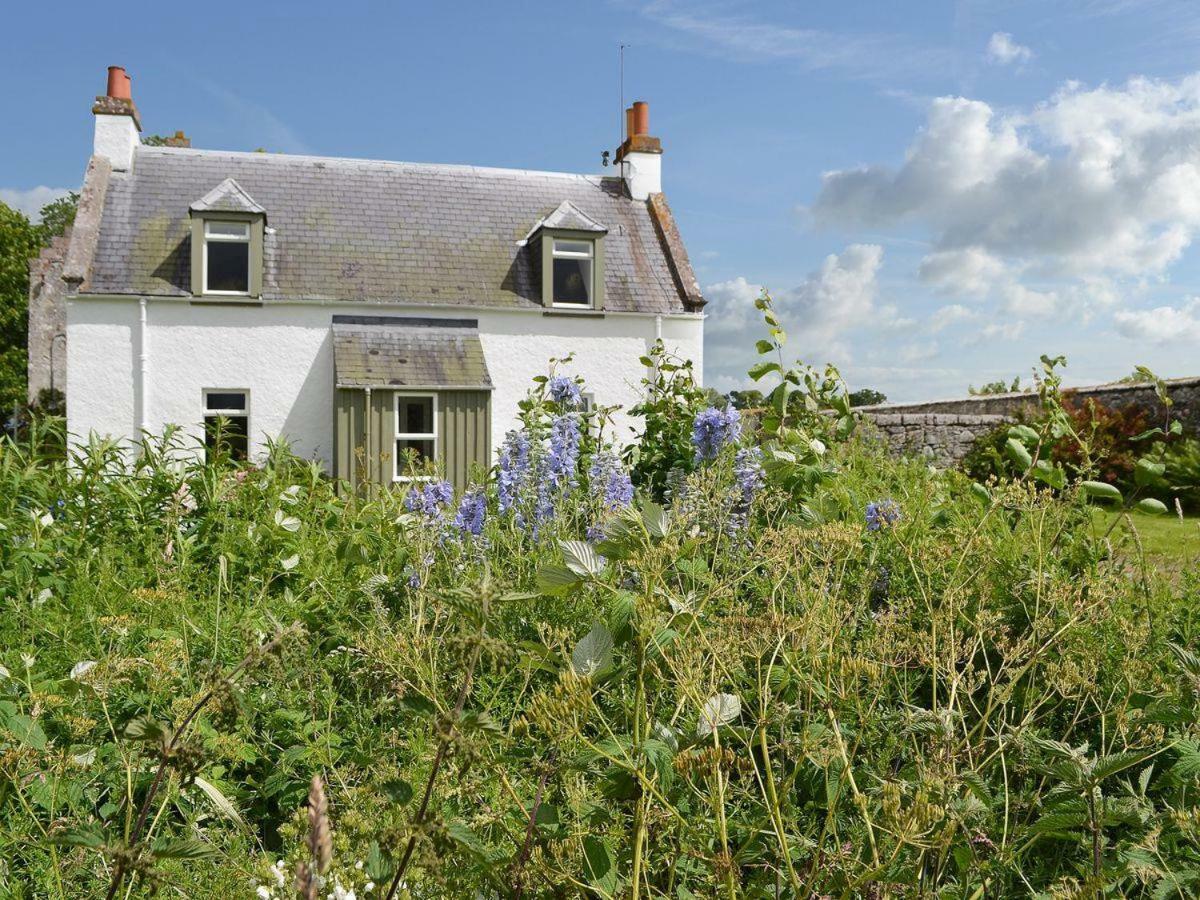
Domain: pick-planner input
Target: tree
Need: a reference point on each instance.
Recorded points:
(20, 241)
(747, 399)
(995, 387)
(867, 397)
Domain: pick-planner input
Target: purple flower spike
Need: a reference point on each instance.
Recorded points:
(713, 429)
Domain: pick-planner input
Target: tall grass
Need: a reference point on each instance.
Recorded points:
(975, 698)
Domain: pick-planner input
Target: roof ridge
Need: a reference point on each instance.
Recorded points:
(355, 160)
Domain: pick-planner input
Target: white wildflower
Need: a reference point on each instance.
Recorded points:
(43, 595)
(28, 659)
(80, 669)
(262, 892)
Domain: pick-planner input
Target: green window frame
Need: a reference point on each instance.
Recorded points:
(227, 229)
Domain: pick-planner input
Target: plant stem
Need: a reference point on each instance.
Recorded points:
(438, 759)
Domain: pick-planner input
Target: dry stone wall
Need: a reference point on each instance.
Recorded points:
(944, 439)
(944, 430)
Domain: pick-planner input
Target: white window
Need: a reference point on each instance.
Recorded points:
(416, 430)
(226, 257)
(227, 422)
(573, 267)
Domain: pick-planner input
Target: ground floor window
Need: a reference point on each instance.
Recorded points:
(227, 422)
(416, 433)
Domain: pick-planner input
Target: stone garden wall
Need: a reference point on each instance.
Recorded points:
(944, 430)
(943, 438)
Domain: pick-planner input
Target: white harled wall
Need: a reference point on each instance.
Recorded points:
(283, 354)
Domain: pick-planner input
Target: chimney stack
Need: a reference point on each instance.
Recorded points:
(640, 156)
(117, 121)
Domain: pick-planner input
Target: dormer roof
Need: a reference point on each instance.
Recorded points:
(228, 196)
(568, 216)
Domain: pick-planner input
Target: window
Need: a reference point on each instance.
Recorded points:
(226, 257)
(227, 423)
(573, 272)
(416, 430)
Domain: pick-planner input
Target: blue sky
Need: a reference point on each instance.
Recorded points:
(936, 193)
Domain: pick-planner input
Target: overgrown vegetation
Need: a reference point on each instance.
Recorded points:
(20, 241)
(784, 666)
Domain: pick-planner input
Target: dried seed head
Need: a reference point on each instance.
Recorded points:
(320, 838)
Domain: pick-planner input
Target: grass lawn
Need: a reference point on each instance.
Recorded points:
(1165, 537)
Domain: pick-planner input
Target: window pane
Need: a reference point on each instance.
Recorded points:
(582, 248)
(228, 229)
(230, 434)
(414, 415)
(423, 450)
(228, 267)
(573, 281)
(231, 400)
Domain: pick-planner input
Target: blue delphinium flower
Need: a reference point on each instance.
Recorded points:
(882, 513)
(713, 429)
(430, 500)
(749, 475)
(609, 478)
(472, 510)
(564, 449)
(514, 469)
(565, 391)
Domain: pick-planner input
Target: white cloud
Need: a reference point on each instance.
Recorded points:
(1100, 182)
(968, 270)
(1022, 302)
(744, 39)
(837, 298)
(30, 202)
(1161, 325)
(999, 331)
(949, 315)
(1004, 50)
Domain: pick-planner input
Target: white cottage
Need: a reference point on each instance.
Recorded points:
(355, 307)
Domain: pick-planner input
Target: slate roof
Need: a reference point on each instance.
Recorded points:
(386, 351)
(341, 229)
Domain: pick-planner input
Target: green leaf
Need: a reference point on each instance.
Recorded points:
(144, 728)
(1025, 435)
(764, 347)
(599, 867)
(397, 790)
(183, 848)
(718, 710)
(581, 558)
(378, 866)
(656, 519)
(1100, 491)
(1017, 453)
(1059, 824)
(557, 580)
(982, 494)
(89, 836)
(221, 802)
(1152, 507)
(758, 370)
(1110, 765)
(1049, 473)
(1147, 473)
(27, 731)
(593, 654)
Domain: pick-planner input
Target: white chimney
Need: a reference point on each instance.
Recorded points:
(117, 122)
(640, 156)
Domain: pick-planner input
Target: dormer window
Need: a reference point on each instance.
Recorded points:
(228, 233)
(568, 247)
(573, 271)
(226, 257)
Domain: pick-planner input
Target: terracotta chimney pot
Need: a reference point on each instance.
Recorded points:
(119, 84)
(641, 117)
(629, 121)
